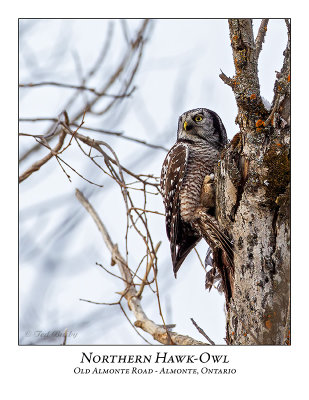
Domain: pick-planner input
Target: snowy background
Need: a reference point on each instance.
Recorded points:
(59, 243)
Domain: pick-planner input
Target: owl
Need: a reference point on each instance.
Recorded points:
(187, 169)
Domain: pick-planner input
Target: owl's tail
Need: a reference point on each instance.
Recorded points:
(222, 249)
(209, 228)
(180, 252)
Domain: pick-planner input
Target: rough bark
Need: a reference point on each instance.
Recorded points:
(253, 197)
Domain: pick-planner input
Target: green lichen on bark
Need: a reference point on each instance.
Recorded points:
(277, 178)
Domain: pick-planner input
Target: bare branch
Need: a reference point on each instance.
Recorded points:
(38, 164)
(66, 85)
(77, 173)
(96, 144)
(104, 131)
(148, 268)
(37, 119)
(282, 87)
(260, 37)
(202, 332)
(116, 303)
(200, 260)
(153, 146)
(160, 334)
(109, 272)
(245, 83)
(228, 81)
(147, 211)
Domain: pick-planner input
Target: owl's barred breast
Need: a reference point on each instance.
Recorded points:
(201, 162)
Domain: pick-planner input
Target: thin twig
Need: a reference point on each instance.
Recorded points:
(133, 325)
(38, 164)
(202, 332)
(148, 268)
(122, 136)
(100, 303)
(145, 211)
(111, 273)
(199, 257)
(76, 87)
(96, 145)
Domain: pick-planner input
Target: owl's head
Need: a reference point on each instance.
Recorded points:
(204, 124)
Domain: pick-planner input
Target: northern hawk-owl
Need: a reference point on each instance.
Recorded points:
(200, 138)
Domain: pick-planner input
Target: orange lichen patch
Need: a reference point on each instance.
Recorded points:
(268, 324)
(253, 96)
(265, 28)
(289, 78)
(279, 144)
(259, 123)
(287, 340)
(235, 37)
(245, 334)
(233, 333)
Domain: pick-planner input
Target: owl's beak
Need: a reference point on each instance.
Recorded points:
(185, 125)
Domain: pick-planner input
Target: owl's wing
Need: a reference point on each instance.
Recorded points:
(180, 234)
(173, 171)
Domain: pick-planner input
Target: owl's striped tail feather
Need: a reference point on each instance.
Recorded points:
(208, 227)
(179, 252)
(222, 249)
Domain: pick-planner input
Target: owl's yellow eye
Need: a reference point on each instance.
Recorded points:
(198, 118)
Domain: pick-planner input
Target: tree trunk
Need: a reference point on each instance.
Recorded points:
(253, 197)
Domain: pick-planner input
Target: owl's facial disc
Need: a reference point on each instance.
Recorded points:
(192, 121)
(202, 124)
